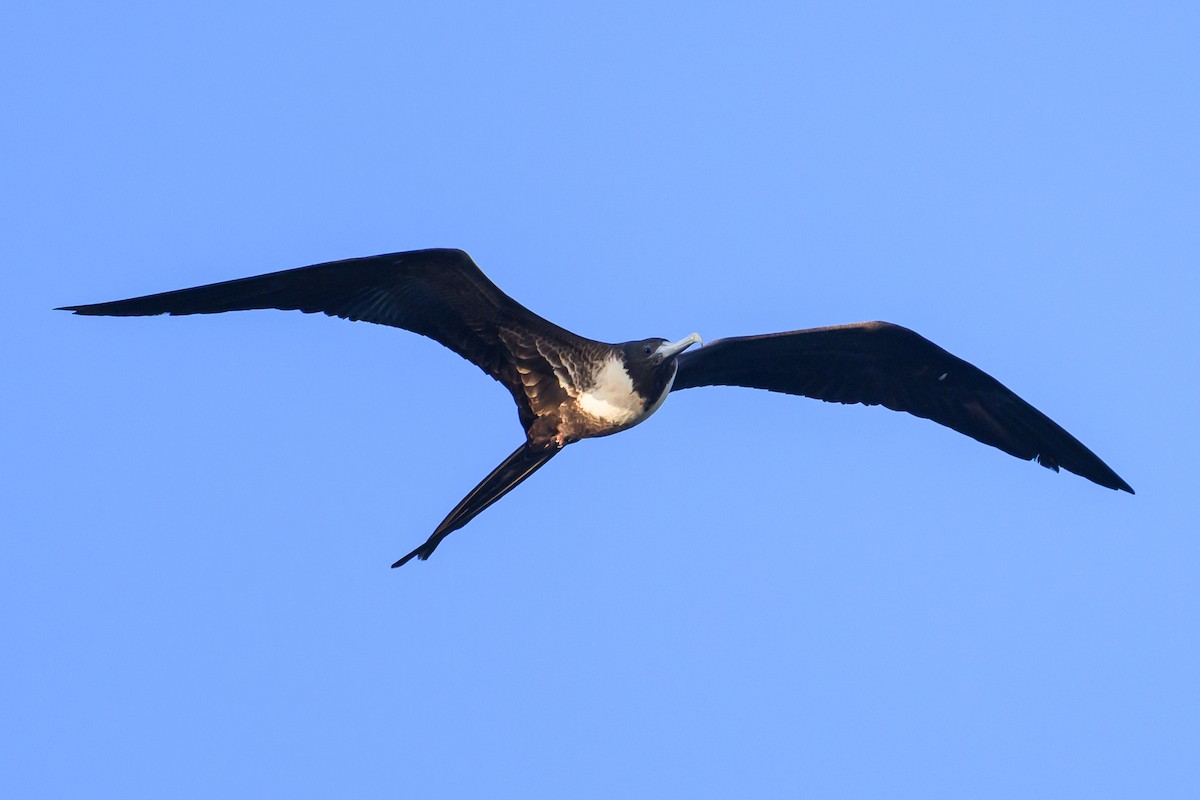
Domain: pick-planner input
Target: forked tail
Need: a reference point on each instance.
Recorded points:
(503, 479)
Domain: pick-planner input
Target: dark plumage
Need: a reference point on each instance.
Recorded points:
(569, 388)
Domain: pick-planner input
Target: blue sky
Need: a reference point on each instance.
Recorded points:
(749, 595)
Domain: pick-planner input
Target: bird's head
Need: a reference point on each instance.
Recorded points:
(651, 363)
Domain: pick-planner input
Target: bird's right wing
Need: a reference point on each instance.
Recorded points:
(877, 363)
(439, 293)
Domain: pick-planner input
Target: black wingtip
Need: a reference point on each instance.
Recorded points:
(117, 308)
(94, 310)
(1111, 481)
(1090, 467)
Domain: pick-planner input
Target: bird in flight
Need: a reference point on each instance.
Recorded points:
(569, 388)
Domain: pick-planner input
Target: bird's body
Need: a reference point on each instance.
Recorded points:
(569, 388)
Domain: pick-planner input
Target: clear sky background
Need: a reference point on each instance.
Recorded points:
(750, 595)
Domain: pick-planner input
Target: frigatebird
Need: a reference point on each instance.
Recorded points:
(569, 388)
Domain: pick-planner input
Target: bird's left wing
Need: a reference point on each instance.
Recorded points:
(877, 363)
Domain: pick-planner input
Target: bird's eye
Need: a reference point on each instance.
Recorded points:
(646, 349)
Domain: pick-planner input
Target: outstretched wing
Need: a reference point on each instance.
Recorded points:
(437, 293)
(877, 363)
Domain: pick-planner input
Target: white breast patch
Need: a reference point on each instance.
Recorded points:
(611, 397)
